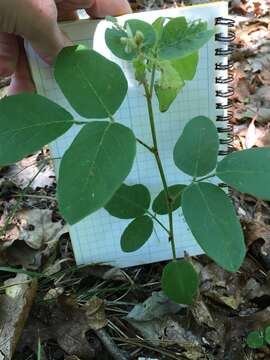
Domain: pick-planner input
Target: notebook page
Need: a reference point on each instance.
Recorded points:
(96, 239)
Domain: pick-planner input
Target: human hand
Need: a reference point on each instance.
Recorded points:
(36, 21)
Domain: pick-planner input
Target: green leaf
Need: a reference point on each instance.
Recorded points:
(169, 85)
(114, 39)
(180, 39)
(196, 151)
(172, 28)
(94, 167)
(158, 26)
(27, 123)
(247, 171)
(186, 67)
(165, 97)
(180, 282)
(140, 68)
(255, 339)
(267, 335)
(137, 233)
(129, 202)
(160, 205)
(211, 218)
(111, 19)
(94, 85)
(147, 30)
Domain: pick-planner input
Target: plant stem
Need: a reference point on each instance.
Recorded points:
(159, 222)
(144, 144)
(148, 94)
(152, 82)
(206, 177)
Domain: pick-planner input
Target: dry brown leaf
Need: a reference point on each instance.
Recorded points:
(36, 228)
(62, 321)
(257, 7)
(249, 112)
(254, 289)
(221, 286)
(157, 323)
(262, 96)
(255, 230)
(20, 254)
(95, 313)
(202, 314)
(242, 90)
(32, 170)
(252, 134)
(265, 75)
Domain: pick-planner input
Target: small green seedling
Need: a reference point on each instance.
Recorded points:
(258, 338)
(164, 56)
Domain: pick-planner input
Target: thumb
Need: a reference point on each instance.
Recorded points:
(101, 8)
(36, 21)
(21, 80)
(47, 43)
(8, 54)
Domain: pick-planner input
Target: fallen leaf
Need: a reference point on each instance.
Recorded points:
(64, 321)
(221, 286)
(154, 307)
(20, 254)
(202, 314)
(249, 112)
(33, 172)
(157, 323)
(36, 228)
(95, 313)
(262, 96)
(252, 134)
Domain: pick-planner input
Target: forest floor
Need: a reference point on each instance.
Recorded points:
(98, 312)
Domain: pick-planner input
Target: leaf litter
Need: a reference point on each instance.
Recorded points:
(99, 312)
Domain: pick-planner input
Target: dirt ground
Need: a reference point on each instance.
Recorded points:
(98, 312)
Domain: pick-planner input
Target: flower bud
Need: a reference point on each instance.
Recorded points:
(139, 37)
(128, 48)
(124, 40)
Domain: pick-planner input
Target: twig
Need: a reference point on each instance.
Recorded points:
(110, 345)
(137, 342)
(45, 197)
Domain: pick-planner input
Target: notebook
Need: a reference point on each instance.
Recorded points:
(96, 239)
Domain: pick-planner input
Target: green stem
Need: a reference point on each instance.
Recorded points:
(206, 177)
(148, 94)
(159, 222)
(152, 82)
(144, 144)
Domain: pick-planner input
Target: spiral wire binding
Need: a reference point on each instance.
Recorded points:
(220, 94)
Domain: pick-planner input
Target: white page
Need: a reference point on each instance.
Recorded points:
(96, 239)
